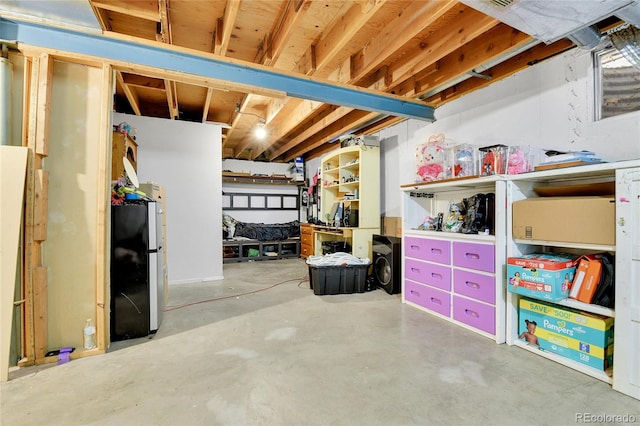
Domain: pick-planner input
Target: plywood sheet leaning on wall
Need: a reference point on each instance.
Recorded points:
(13, 166)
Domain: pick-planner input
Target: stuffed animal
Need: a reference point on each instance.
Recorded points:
(464, 162)
(430, 159)
(517, 161)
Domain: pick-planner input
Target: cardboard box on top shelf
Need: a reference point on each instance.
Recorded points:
(583, 219)
(391, 226)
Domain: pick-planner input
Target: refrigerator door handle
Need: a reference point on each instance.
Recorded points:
(153, 239)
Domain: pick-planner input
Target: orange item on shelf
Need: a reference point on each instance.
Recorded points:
(586, 278)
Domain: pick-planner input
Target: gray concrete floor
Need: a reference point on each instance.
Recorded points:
(284, 356)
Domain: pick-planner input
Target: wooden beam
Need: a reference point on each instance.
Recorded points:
(172, 98)
(131, 95)
(331, 130)
(101, 15)
(524, 60)
(414, 19)
(127, 8)
(228, 22)
(40, 304)
(35, 322)
(102, 234)
(217, 36)
(145, 82)
(31, 257)
(165, 27)
(485, 48)
(407, 25)
(282, 31)
(207, 103)
(215, 84)
(43, 105)
(335, 114)
(468, 26)
(482, 50)
(341, 32)
(41, 203)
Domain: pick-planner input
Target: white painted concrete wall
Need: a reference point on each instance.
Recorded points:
(549, 106)
(185, 158)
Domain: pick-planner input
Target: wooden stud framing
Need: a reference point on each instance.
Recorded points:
(102, 242)
(35, 276)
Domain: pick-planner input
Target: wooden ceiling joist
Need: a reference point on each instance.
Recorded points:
(127, 8)
(411, 49)
(130, 93)
(228, 22)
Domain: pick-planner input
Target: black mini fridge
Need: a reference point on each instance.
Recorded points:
(137, 287)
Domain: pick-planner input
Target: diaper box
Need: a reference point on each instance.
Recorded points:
(545, 276)
(583, 337)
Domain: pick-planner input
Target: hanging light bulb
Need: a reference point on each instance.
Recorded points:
(260, 131)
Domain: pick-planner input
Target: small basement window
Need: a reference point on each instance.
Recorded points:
(617, 84)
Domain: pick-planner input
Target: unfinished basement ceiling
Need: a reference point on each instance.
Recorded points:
(435, 51)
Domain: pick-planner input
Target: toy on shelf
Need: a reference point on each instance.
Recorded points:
(430, 159)
(464, 160)
(523, 159)
(517, 162)
(494, 160)
(455, 218)
(126, 129)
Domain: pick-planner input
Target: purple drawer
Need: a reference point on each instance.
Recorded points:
(428, 249)
(438, 276)
(475, 314)
(478, 286)
(427, 297)
(474, 256)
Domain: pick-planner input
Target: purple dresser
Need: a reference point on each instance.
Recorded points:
(452, 278)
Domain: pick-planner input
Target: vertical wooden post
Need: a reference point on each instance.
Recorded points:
(103, 185)
(36, 208)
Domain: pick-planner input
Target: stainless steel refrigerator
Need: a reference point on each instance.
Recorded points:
(137, 286)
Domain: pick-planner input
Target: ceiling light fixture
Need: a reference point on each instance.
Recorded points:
(260, 132)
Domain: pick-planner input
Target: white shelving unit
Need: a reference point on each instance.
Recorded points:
(423, 200)
(625, 373)
(437, 284)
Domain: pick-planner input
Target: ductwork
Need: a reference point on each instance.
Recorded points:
(550, 21)
(586, 38)
(630, 14)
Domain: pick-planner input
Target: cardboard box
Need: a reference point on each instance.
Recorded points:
(392, 226)
(587, 278)
(587, 220)
(545, 276)
(583, 337)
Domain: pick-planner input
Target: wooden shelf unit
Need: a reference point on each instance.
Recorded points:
(350, 175)
(122, 146)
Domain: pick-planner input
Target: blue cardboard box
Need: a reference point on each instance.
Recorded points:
(545, 276)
